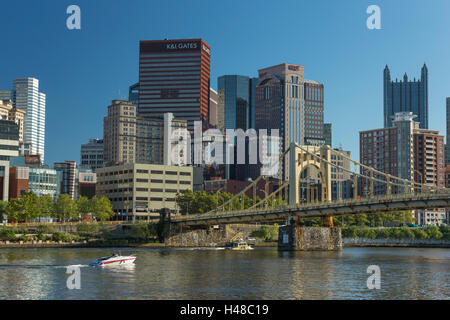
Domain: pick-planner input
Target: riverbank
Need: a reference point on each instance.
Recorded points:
(85, 244)
(347, 243)
(404, 243)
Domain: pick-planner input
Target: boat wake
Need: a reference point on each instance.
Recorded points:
(200, 248)
(38, 266)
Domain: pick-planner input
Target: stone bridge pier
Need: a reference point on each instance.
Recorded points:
(294, 237)
(206, 236)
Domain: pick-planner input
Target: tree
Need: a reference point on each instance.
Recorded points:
(433, 232)
(3, 207)
(46, 205)
(14, 210)
(263, 232)
(185, 200)
(203, 202)
(274, 232)
(30, 205)
(66, 208)
(101, 208)
(84, 205)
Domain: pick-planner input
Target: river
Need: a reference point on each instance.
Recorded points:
(264, 273)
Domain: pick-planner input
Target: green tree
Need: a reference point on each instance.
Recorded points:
(30, 205)
(101, 208)
(420, 234)
(14, 211)
(66, 208)
(84, 205)
(349, 232)
(3, 208)
(433, 232)
(46, 205)
(203, 202)
(274, 232)
(185, 201)
(140, 231)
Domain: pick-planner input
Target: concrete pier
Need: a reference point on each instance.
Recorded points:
(297, 238)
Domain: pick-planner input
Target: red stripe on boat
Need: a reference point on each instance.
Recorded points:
(118, 260)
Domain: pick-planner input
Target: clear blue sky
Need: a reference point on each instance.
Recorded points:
(81, 71)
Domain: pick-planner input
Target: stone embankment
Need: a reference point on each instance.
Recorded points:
(413, 243)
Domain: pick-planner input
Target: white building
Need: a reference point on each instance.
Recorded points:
(26, 96)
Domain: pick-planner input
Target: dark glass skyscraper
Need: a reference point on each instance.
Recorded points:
(239, 101)
(406, 96)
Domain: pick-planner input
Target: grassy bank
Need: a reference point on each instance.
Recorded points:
(93, 233)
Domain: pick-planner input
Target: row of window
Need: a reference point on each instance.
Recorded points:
(114, 173)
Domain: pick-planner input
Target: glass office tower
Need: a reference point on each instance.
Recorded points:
(239, 101)
(236, 104)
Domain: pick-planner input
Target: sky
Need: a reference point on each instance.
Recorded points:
(82, 71)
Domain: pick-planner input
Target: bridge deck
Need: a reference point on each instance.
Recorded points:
(334, 208)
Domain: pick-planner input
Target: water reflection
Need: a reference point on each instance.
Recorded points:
(224, 274)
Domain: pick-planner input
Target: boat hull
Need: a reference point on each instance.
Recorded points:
(115, 261)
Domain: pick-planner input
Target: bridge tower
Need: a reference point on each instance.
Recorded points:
(301, 161)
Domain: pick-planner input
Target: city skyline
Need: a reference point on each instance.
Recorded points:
(80, 84)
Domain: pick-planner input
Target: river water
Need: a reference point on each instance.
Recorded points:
(263, 273)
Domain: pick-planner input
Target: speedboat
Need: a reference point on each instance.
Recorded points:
(241, 245)
(113, 260)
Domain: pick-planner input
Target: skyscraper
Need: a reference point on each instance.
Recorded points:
(26, 96)
(406, 96)
(239, 101)
(313, 112)
(237, 104)
(129, 138)
(174, 76)
(286, 101)
(447, 146)
(212, 114)
(68, 178)
(407, 152)
(429, 157)
(7, 112)
(133, 94)
(389, 150)
(327, 134)
(91, 155)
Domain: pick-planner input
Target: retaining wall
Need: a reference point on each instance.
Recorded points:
(419, 243)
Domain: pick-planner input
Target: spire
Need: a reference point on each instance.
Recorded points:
(424, 68)
(387, 73)
(424, 73)
(405, 78)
